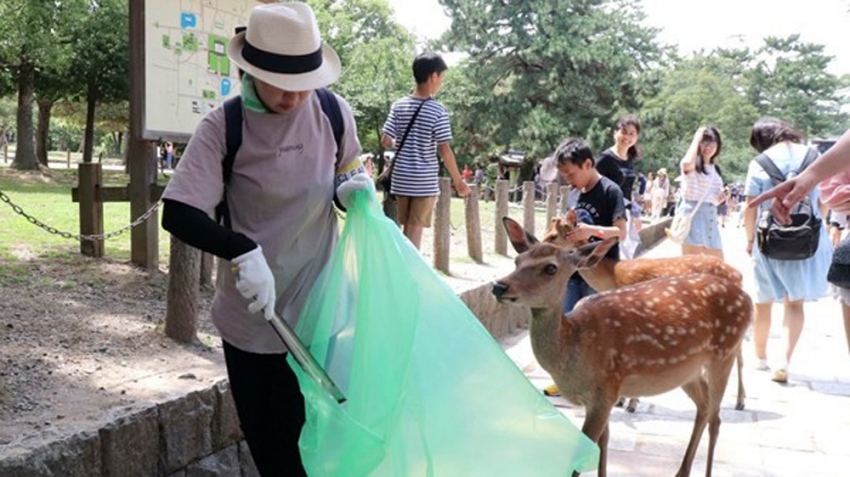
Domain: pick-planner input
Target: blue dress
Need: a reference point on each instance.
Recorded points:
(795, 280)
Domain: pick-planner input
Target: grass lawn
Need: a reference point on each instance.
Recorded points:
(47, 197)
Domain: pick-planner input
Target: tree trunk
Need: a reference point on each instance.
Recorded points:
(181, 317)
(88, 137)
(207, 261)
(42, 132)
(25, 153)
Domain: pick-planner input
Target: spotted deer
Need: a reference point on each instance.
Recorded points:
(609, 274)
(640, 340)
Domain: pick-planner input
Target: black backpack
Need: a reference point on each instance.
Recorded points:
(233, 139)
(797, 240)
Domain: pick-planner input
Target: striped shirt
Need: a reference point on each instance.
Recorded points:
(416, 171)
(695, 185)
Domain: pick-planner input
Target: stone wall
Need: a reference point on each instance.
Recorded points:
(195, 435)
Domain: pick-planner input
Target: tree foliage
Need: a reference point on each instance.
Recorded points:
(34, 36)
(551, 68)
(376, 54)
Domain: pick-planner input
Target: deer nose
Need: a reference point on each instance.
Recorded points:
(499, 289)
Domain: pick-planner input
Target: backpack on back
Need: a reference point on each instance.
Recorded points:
(233, 140)
(797, 240)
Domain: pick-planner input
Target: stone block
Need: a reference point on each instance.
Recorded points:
(130, 445)
(226, 430)
(224, 463)
(186, 425)
(76, 456)
(499, 319)
(249, 469)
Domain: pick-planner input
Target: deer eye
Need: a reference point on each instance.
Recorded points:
(550, 269)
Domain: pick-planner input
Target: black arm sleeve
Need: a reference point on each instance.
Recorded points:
(193, 226)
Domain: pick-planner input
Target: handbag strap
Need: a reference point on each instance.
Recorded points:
(406, 132)
(701, 200)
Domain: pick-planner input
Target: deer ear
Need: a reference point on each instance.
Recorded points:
(571, 218)
(587, 256)
(552, 232)
(519, 238)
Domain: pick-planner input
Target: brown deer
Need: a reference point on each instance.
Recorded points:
(609, 274)
(640, 340)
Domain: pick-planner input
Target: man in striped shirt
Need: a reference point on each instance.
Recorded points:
(415, 173)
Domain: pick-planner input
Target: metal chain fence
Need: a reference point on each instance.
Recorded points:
(68, 235)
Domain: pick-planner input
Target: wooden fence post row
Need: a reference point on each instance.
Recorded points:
(443, 226)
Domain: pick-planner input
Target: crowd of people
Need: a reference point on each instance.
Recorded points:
(296, 161)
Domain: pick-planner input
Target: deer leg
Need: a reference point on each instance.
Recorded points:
(596, 428)
(717, 374)
(742, 394)
(633, 402)
(697, 390)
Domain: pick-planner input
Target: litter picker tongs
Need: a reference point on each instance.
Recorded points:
(304, 359)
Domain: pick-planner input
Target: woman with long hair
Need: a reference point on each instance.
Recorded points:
(618, 164)
(702, 188)
(791, 282)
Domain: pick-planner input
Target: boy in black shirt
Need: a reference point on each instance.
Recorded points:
(600, 208)
(600, 211)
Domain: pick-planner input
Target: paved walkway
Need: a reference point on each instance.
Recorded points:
(793, 430)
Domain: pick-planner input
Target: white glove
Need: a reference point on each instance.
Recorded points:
(254, 280)
(360, 181)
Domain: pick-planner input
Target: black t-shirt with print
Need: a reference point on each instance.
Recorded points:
(619, 171)
(602, 205)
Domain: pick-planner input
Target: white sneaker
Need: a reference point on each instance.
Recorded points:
(761, 365)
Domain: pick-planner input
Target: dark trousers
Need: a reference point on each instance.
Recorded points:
(270, 408)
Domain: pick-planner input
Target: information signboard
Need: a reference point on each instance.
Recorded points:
(187, 71)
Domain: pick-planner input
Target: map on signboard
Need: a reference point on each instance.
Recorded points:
(187, 71)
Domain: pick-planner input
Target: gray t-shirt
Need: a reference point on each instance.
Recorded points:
(280, 195)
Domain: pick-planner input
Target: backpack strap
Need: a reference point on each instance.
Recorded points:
(233, 141)
(811, 155)
(775, 174)
(330, 106)
(770, 167)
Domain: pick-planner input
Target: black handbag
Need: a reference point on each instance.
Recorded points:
(797, 240)
(839, 270)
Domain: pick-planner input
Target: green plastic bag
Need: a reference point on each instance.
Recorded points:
(429, 391)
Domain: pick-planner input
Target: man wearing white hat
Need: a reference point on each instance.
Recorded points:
(281, 223)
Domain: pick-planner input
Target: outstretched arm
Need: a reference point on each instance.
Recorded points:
(792, 191)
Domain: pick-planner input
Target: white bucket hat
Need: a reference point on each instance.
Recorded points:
(282, 47)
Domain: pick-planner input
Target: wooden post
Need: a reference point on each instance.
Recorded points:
(551, 202)
(501, 212)
(528, 206)
(5, 152)
(565, 192)
(68, 159)
(144, 240)
(473, 225)
(181, 316)
(443, 226)
(91, 208)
